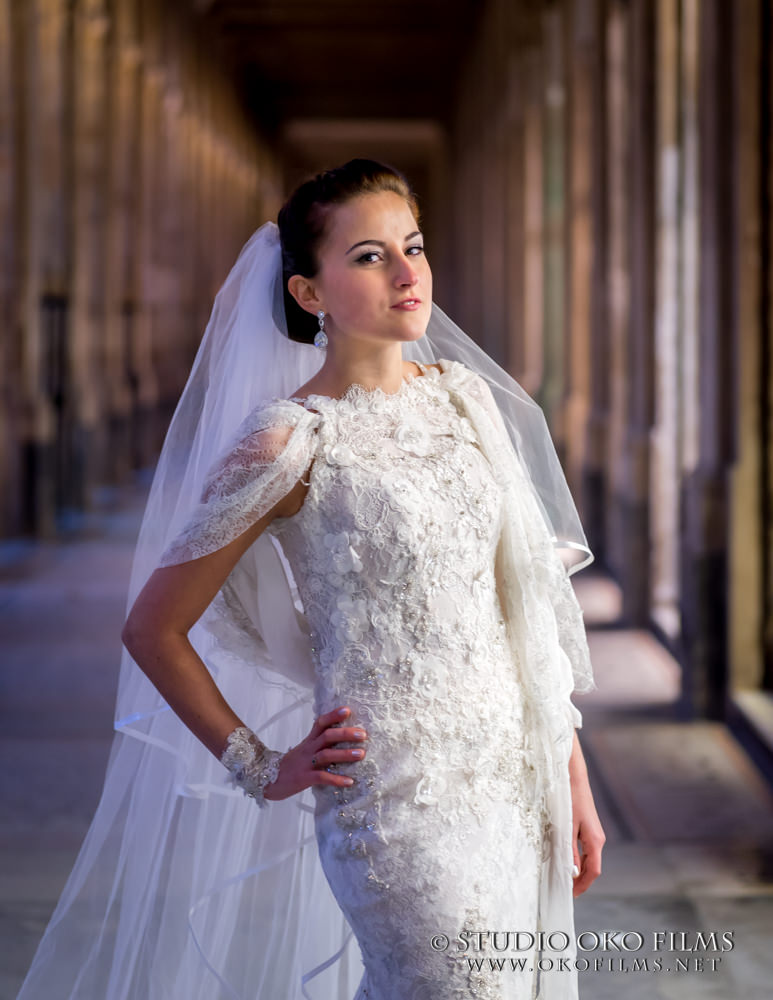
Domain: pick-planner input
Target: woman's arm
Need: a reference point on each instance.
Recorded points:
(586, 826)
(156, 635)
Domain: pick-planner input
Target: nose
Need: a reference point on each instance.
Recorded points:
(406, 272)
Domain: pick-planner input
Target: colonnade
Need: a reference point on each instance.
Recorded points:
(129, 177)
(613, 192)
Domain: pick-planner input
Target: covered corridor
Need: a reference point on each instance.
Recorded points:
(596, 183)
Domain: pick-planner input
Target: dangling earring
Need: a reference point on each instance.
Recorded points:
(320, 338)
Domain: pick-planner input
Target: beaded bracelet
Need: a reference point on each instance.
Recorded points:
(251, 763)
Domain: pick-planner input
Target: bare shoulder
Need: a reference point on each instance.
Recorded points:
(307, 389)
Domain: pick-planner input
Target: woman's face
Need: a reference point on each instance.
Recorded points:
(371, 260)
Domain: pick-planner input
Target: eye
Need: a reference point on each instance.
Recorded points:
(367, 257)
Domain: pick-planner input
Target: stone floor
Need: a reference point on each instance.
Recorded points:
(689, 826)
(689, 822)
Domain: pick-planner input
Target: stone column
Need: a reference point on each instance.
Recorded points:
(617, 302)
(203, 173)
(667, 428)
(123, 67)
(634, 499)
(468, 182)
(190, 235)
(492, 230)
(766, 322)
(551, 395)
(705, 496)
(46, 394)
(581, 57)
(530, 365)
(594, 488)
(145, 242)
(751, 615)
(87, 349)
(173, 358)
(10, 465)
(514, 291)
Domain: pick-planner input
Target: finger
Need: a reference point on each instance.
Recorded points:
(325, 777)
(581, 883)
(352, 734)
(326, 739)
(328, 719)
(333, 755)
(590, 870)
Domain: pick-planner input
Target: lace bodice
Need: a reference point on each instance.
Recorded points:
(394, 554)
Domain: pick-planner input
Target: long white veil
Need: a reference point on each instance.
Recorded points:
(183, 889)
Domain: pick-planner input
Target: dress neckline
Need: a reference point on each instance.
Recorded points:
(355, 390)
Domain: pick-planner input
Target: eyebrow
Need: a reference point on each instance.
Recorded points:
(378, 243)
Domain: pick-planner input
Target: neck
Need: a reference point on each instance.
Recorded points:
(372, 366)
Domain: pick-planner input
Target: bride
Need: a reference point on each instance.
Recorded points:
(356, 544)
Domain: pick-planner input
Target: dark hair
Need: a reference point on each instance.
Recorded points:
(302, 221)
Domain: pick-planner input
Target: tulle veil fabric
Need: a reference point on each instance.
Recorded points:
(183, 888)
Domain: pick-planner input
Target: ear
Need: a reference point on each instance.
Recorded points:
(305, 294)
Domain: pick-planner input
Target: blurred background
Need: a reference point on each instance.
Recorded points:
(596, 181)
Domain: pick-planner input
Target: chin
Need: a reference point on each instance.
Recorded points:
(419, 332)
(414, 333)
(416, 329)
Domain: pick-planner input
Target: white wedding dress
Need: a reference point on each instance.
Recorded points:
(394, 552)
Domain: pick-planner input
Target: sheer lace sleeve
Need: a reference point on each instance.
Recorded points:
(271, 451)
